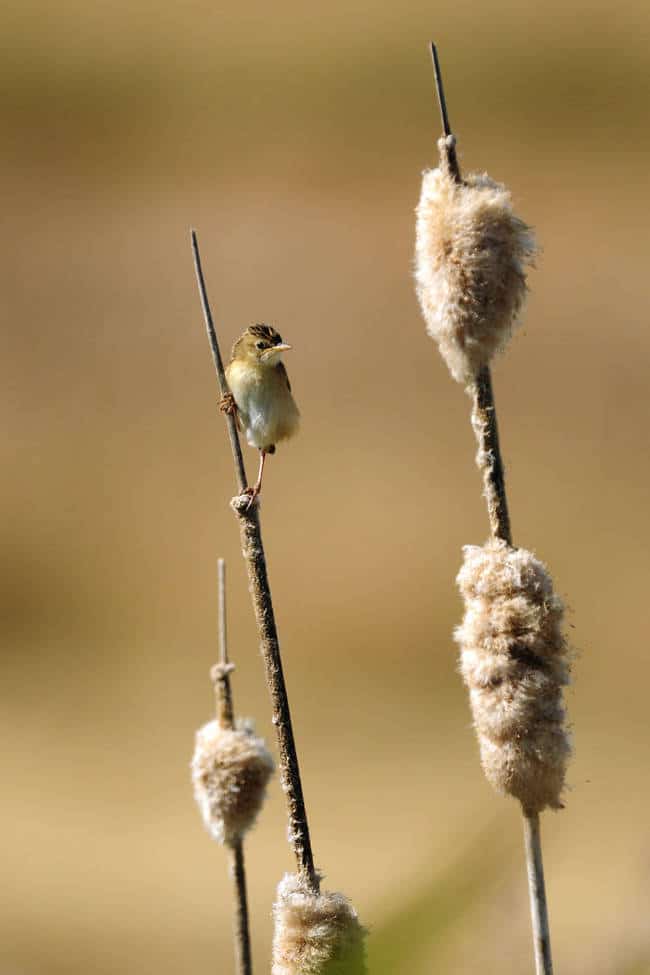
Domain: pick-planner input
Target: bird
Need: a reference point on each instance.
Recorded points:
(260, 395)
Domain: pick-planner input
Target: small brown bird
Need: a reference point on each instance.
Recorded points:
(261, 394)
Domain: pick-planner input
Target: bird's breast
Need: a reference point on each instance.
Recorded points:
(266, 407)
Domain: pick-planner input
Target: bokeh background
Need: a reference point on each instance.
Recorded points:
(292, 136)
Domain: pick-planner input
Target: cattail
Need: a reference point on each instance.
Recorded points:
(230, 771)
(471, 255)
(472, 252)
(315, 934)
(259, 588)
(514, 661)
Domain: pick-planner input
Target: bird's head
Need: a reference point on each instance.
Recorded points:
(260, 344)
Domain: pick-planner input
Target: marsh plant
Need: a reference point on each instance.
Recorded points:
(230, 771)
(472, 256)
(472, 252)
(316, 932)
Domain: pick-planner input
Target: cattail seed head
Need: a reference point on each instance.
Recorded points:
(315, 934)
(514, 660)
(230, 771)
(471, 254)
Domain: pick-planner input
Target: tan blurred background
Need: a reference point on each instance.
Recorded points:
(293, 137)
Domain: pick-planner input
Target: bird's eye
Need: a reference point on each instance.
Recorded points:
(259, 345)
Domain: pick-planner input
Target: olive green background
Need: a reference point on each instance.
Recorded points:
(293, 136)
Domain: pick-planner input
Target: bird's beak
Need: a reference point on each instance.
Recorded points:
(275, 351)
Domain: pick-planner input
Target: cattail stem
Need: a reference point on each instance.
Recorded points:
(225, 716)
(538, 906)
(221, 673)
(231, 422)
(484, 422)
(241, 930)
(450, 143)
(253, 552)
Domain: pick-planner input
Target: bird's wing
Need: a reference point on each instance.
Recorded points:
(282, 371)
(232, 378)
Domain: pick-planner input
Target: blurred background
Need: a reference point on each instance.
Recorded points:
(292, 137)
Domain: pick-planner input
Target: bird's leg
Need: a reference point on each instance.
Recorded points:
(258, 486)
(227, 405)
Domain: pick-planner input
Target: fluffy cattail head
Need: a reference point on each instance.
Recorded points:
(230, 770)
(471, 253)
(315, 934)
(515, 663)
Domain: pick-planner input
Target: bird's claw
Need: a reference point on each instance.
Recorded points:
(254, 494)
(227, 404)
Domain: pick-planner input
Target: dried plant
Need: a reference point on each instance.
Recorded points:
(514, 662)
(471, 255)
(472, 252)
(230, 771)
(307, 880)
(315, 934)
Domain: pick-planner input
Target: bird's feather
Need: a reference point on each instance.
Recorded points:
(283, 372)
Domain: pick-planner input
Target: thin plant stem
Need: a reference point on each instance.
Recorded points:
(241, 930)
(221, 673)
(537, 890)
(240, 470)
(225, 716)
(253, 552)
(452, 160)
(484, 422)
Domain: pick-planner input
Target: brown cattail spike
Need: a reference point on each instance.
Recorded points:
(315, 934)
(515, 663)
(471, 256)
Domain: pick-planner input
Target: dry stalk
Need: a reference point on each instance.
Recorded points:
(253, 552)
(484, 422)
(230, 771)
(537, 891)
(225, 716)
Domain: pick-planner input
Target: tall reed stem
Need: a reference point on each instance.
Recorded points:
(253, 552)
(225, 716)
(537, 890)
(484, 422)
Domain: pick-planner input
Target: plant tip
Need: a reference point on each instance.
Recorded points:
(440, 90)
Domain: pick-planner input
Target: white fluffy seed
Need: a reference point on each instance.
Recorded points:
(471, 256)
(514, 661)
(230, 771)
(315, 934)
